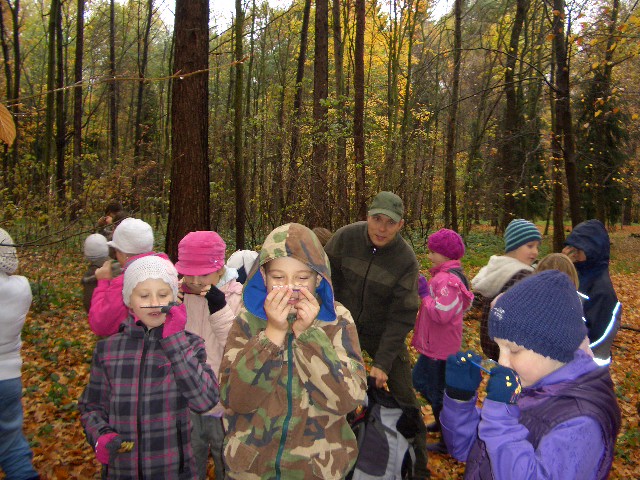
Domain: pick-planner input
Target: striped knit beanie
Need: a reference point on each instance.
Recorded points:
(519, 232)
(542, 313)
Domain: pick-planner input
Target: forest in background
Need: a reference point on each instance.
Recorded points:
(500, 108)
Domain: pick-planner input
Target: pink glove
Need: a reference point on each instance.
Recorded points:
(107, 447)
(176, 319)
(423, 287)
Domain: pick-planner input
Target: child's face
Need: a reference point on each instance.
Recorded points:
(150, 292)
(289, 272)
(529, 365)
(437, 259)
(195, 283)
(526, 253)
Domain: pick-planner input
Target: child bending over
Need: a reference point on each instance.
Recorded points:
(550, 411)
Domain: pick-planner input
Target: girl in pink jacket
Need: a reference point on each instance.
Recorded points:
(212, 298)
(438, 330)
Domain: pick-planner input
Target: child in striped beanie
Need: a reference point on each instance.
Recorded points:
(521, 242)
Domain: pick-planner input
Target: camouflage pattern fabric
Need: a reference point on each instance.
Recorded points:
(286, 406)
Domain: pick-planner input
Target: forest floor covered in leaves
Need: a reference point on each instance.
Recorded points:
(57, 347)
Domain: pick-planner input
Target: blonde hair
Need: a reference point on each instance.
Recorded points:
(562, 263)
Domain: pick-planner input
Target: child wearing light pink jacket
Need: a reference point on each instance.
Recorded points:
(438, 330)
(212, 298)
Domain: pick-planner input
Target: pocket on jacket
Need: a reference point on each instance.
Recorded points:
(332, 465)
(238, 455)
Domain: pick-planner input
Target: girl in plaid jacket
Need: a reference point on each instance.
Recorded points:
(144, 380)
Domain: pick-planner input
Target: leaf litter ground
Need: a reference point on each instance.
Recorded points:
(57, 347)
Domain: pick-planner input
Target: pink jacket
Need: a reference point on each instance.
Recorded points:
(108, 310)
(438, 330)
(214, 328)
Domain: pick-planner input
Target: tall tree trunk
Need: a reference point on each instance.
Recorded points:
(17, 74)
(512, 154)
(556, 162)
(189, 197)
(404, 189)
(319, 185)
(393, 67)
(450, 198)
(296, 116)
(76, 175)
(139, 136)
(341, 197)
(358, 112)
(60, 112)
(113, 86)
(51, 81)
(563, 110)
(237, 129)
(9, 87)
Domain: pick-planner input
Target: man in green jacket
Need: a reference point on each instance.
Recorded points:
(375, 275)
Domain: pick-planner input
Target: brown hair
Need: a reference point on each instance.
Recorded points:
(323, 234)
(562, 263)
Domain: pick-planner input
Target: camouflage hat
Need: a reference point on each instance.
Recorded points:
(389, 204)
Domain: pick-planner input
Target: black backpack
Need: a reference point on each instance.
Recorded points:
(385, 433)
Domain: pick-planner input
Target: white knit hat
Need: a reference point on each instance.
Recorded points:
(151, 266)
(132, 236)
(8, 255)
(95, 247)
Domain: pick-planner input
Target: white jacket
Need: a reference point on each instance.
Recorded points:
(498, 271)
(15, 300)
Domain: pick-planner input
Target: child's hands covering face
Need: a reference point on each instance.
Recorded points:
(277, 308)
(307, 309)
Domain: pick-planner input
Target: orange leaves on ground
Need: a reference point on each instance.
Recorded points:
(57, 347)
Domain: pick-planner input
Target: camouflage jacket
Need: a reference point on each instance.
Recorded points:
(286, 405)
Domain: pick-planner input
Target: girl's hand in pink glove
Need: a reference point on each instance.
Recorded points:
(107, 447)
(176, 319)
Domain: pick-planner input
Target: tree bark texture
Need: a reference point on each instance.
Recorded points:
(318, 178)
(189, 196)
(358, 112)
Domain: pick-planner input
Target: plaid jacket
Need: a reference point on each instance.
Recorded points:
(142, 387)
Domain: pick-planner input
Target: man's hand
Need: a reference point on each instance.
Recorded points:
(104, 272)
(380, 376)
(307, 309)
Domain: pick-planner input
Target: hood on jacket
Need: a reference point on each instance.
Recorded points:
(592, 238)
(299, 242)
(496, 273)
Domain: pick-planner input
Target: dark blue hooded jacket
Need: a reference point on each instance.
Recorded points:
(602, 309)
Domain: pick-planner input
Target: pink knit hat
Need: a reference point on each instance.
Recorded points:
(446, 242)
(200, 253)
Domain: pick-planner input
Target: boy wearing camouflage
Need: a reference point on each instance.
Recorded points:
(292, 367)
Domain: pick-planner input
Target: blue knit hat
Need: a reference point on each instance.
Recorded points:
(541, 313)
(519, 232)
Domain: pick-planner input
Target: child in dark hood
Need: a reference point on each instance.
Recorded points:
(292, 367)
(588, 247)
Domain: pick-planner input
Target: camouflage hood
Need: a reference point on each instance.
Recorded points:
(299, 242)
